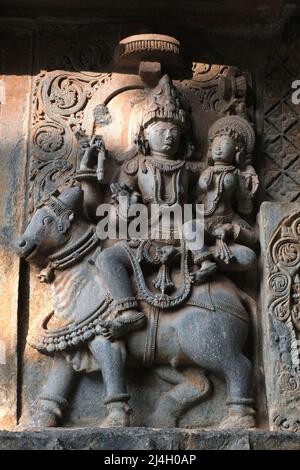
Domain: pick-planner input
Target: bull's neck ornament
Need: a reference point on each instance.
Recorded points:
(66, 258)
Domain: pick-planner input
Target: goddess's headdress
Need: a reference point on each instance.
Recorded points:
(236, 127)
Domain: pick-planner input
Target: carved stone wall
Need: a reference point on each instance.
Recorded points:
(279, 161)
(279, 226)
(61, 83)
(70, 99)
(14, 108)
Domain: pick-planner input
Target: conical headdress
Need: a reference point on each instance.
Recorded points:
(163, 103)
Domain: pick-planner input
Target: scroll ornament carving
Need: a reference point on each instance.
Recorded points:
(284, 284)
(59, 101)
(219, 88)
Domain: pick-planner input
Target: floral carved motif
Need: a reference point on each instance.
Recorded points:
(284, 284)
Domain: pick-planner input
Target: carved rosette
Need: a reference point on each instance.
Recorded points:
(283, 268)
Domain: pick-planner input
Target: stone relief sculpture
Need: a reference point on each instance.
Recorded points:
(150, 301)
(223, 186)
(282, 289)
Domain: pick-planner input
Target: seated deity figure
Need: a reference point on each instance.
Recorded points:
(160, 175)
(100, 288)
(225, 194)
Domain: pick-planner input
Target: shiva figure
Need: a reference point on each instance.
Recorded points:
(99, 291)
(160, 174)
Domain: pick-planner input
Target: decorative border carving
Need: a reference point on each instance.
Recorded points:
(283, 267)
(59, 102)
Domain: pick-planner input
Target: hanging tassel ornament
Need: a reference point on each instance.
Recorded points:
(163, 280)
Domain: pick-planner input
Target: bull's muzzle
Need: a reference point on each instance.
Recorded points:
(25, 247)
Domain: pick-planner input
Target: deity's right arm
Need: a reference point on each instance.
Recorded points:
(91, 174)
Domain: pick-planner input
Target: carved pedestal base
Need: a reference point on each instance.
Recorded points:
(147, 439)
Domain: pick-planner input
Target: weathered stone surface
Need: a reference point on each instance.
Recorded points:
(14, 107)
(280, 244)
(147, 439)
(154, 148)
(69, 82)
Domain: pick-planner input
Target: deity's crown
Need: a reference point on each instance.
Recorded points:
(163, 103)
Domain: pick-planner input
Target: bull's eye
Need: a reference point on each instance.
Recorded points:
(47, 220)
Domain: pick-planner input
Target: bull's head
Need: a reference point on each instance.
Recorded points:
(49, 228)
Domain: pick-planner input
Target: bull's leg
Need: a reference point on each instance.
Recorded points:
(111, 357)
(190, 386)
(238, 379)
(53, 399)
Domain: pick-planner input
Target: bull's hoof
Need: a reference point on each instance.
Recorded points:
(118, 416)
(236, 421)
(41, 420)
(114, 420)
(47, 420)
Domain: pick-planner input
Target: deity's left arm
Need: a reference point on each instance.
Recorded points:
(243, 233)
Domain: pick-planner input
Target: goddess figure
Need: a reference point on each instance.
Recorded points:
(226, 194)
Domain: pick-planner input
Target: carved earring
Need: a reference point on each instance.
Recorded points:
(63, 226)
(239, 157)
(146, 147)
(209, 157)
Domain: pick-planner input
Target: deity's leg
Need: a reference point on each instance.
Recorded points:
(243, 259)
(193, 234)
(115, 268)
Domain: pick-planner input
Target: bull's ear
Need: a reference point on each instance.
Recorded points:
(72, 198)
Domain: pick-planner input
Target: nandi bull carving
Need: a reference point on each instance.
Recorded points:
(105, 312)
